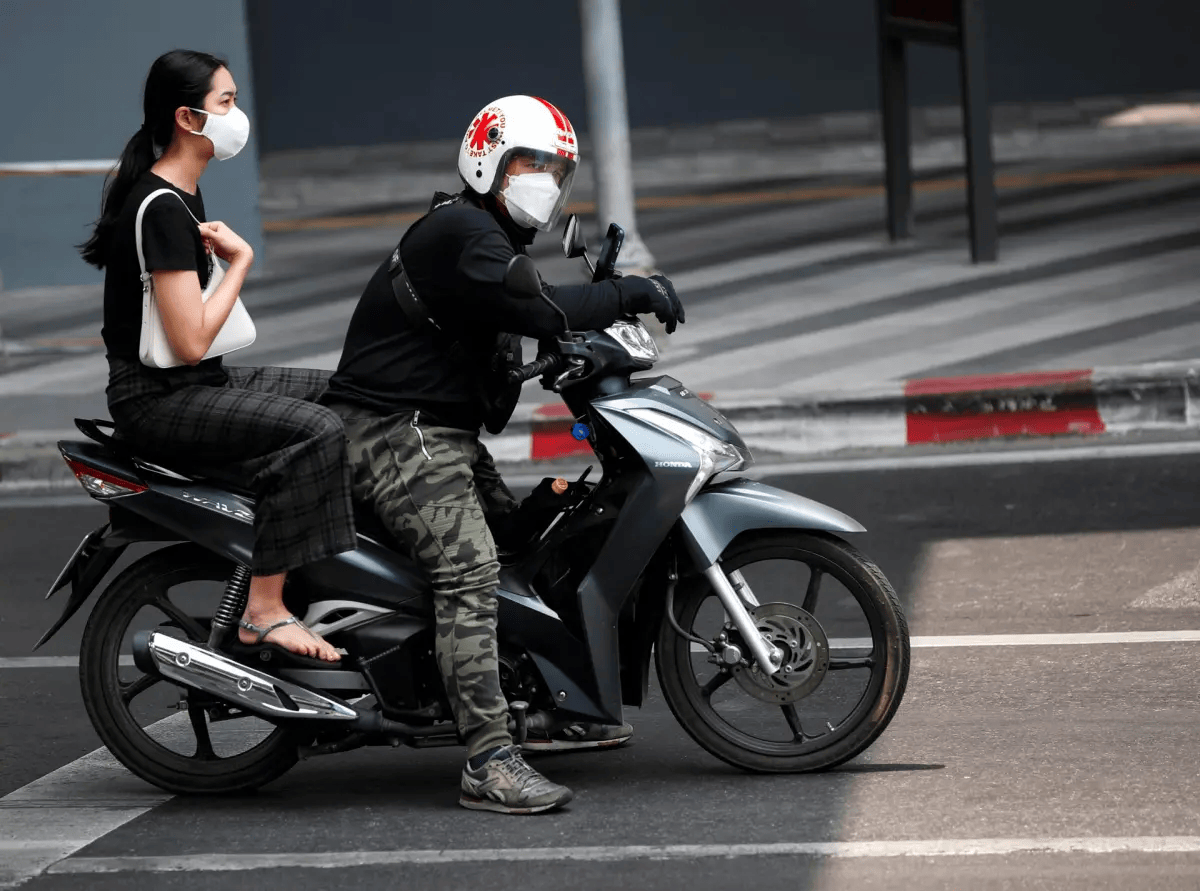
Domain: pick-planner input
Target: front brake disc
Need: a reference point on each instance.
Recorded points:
(799, 636)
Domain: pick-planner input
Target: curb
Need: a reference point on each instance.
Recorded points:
(1155, 397)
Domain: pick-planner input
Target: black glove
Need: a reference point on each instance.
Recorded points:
(654, 295)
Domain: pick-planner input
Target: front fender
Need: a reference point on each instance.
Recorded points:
(720, 513)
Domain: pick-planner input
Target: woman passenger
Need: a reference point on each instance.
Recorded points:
(262, 422)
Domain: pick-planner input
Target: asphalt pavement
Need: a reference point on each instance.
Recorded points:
(1047, 738)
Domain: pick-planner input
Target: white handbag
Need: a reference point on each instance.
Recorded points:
(154, 349)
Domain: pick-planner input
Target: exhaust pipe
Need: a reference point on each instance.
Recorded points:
(196, 666)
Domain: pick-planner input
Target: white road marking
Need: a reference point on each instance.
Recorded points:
(1047, 640)
(1085, 638)
(66, 810)
(49, 661)
(1080, 639)
(966, 847)
(994, 338)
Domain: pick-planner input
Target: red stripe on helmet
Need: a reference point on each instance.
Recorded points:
(560, 119)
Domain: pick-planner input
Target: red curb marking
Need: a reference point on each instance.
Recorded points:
(949, 425)
(932, 386)
(949, 428)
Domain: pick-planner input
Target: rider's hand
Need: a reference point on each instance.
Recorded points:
(654, 295)
(226, 243)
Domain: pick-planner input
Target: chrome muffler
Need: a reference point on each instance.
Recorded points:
(197, 666)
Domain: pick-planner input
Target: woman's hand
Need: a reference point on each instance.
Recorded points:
(226, 243)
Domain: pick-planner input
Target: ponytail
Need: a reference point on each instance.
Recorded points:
(137, 158)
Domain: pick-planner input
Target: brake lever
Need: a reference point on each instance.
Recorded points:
(573, 365)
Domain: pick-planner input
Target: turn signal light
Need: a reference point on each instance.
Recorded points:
(101, 484)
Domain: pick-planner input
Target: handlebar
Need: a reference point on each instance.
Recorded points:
(530, 370)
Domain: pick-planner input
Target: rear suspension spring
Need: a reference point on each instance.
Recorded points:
(232, 607)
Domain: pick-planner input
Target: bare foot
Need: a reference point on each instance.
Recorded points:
(294, 638)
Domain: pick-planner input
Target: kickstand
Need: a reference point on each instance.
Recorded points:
(521, 727)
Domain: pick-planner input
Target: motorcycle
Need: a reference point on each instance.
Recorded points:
(778, 646)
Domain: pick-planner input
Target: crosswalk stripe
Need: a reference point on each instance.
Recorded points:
(732, 367)
(910, 363)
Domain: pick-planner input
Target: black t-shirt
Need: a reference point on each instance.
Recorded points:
(170, 241)
(455, 257)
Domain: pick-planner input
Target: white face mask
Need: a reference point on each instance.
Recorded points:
(227, 132)
(531, 199)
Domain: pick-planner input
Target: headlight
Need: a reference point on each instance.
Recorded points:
(636, 340)
(715, 456)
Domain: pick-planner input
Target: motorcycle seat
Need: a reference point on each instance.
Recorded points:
(223, 476)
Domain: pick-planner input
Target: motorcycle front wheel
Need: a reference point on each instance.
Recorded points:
(844, 639)
(178, 739)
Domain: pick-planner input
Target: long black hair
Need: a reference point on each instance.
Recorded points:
(178, 78)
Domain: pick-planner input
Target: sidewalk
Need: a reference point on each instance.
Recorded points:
(342, 181)
(811, 331)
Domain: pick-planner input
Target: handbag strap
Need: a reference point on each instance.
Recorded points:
(137, 225)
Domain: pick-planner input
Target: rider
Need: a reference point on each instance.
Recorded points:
(421, 347)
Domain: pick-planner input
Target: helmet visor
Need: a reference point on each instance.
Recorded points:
(534, 186)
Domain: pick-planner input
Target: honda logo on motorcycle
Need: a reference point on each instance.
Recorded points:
(682, 464)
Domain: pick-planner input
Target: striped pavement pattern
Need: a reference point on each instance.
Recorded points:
(786, 297)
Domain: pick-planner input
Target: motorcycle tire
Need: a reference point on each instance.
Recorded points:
(882, 611)
(144, 584)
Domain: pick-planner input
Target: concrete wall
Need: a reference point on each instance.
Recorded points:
(376, 71)
(73, 72)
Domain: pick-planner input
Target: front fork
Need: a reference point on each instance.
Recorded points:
(734, 594)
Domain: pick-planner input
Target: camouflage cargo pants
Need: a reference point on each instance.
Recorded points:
(435, 488)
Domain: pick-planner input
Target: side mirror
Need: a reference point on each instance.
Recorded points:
(606, 263)
(573, 243)
(521, 278)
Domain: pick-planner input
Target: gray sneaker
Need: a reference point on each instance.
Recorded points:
(507, 785)
(575, 735)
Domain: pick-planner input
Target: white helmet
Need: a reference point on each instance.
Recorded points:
(529, 128)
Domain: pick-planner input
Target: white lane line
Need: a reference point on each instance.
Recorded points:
(1049, 639)
(49, 661)
(966, 847)
(66, 810)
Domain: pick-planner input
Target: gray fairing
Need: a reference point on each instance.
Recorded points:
(721, 512)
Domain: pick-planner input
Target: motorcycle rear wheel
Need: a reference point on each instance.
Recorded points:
(860, 613)
(157, 751)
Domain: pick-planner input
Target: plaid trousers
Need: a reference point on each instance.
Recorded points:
(265, 427)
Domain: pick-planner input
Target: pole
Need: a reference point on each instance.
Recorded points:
(981, 192)
(893, 98)
(608, 118)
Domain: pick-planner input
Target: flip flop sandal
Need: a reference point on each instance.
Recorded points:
(260, 643)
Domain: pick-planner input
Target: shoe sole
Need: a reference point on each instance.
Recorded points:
(558, 745)
(485, 804)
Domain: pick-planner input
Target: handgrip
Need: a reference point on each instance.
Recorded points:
(529, 371)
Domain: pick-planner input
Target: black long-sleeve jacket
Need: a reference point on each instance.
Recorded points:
(455, 257)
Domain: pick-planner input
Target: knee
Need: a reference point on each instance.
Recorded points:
(468, 584)
(324, 428)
